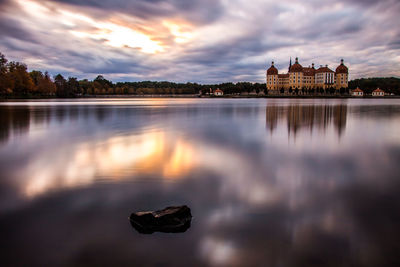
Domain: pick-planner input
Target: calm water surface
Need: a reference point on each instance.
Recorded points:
(271, 182)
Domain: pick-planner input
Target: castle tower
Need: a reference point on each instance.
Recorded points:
(296, 75)
(342, 76)
(272, 79)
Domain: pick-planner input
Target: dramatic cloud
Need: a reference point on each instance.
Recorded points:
(199, 41)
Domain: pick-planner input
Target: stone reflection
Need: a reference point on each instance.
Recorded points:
(169, 220)
(302, 117)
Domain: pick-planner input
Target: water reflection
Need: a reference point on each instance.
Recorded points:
(70, 174)
(13, 121)
(114, 158)
(305, 116)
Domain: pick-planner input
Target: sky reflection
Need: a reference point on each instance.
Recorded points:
(281, 182)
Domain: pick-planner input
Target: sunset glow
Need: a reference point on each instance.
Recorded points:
(182, 33)
(110, 33)
(119, 158)
(120, 37)
(199, 41)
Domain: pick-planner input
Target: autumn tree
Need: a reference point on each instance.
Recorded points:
(36, 76)
(4, 82)
(102, 85)
(86, 87)
(20, 80)
(42, 83)
(46, 85)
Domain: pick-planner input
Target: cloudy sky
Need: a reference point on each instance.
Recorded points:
(206, 41)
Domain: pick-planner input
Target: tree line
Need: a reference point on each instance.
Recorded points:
(16, 81)
(389, 85)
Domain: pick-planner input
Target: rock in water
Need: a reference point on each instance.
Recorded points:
(168, 220)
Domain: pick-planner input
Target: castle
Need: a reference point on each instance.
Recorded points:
(301, 80)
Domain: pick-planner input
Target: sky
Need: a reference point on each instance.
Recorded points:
(204, 41)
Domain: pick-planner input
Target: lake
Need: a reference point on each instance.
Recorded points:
(270, 182)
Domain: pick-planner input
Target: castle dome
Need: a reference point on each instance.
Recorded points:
(272, 70)
(296, 67)
(342, 68)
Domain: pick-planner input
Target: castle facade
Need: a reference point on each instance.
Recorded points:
(305, 80)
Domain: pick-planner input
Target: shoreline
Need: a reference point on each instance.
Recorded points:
(197, 96)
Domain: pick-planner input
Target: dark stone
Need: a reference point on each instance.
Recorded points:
(168, 220)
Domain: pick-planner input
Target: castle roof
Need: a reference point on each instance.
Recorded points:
(309, 71)
(296, 67)
(272, 70)
(358, 90)
(377, 90)
(323, 69)
(342, 68)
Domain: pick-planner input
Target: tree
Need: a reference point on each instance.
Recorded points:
(4, 81)
(85, 87)
(43, 83)
(61, 86)
(390, 85)
(102, 85)
(73, 87)
(46, 85)
(36, 76)
(20, 80)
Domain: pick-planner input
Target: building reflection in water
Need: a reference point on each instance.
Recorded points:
(303, 117)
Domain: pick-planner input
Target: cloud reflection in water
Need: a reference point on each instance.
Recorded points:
(328, 198)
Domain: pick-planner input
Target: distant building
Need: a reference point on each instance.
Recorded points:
(378, 92)
(218, 92)
(357, 92)
(302, 79)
